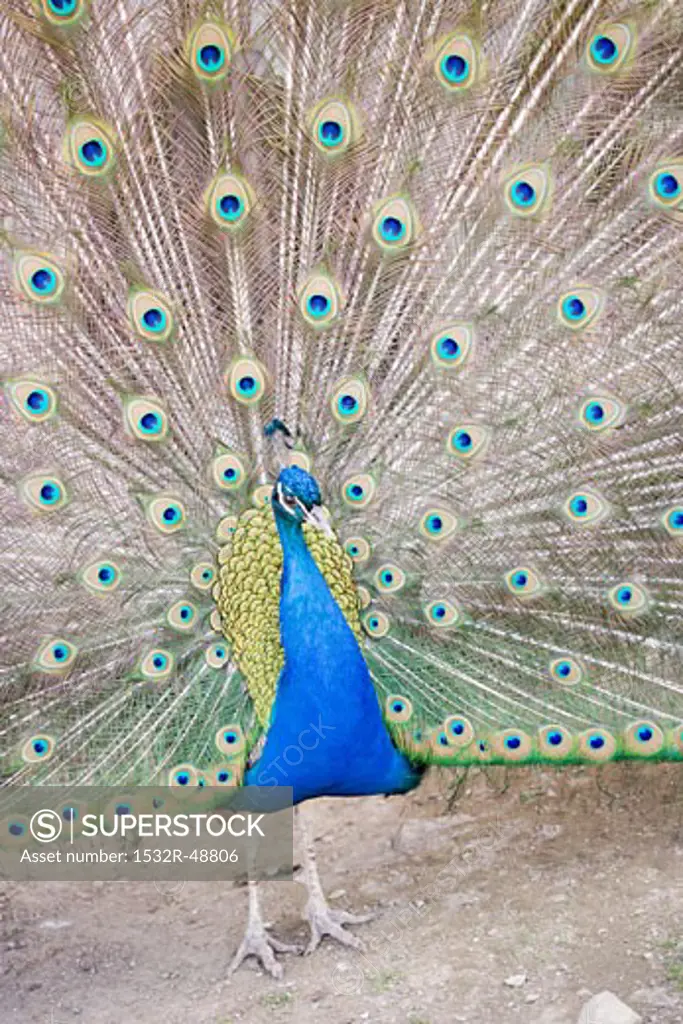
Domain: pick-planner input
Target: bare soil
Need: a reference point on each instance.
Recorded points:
(512, 899)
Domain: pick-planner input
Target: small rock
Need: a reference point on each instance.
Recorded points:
(605, 1008)
(515, 980)
(55, 925)
(337, 894)
(532, 997)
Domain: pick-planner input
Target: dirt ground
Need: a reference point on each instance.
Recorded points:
(512, 900)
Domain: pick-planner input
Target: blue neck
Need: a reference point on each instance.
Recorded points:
(326, 735)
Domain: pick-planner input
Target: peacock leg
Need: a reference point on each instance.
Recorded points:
(323, 920)
(257, 942)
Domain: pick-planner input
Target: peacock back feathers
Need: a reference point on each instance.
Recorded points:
(441, 241)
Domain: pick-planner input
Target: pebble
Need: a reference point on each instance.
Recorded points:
(515, 980)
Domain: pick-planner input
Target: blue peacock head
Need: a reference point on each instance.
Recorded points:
(297, 499)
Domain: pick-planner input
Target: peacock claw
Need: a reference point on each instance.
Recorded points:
(323, 920)
(259, 944)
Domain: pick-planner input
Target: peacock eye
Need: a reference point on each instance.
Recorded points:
(456, 63)
(610, 47)
(629, 599)
(527, 192)
(150, 316)
(523, 582)
(673, 521)
(395, 224)
(334, 126)
(585, 507)
(38, 278)
(210, 49)
(580, 307)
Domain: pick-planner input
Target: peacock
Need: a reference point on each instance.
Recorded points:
(341, 386)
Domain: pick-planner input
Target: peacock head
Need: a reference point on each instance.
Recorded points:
(297, 499)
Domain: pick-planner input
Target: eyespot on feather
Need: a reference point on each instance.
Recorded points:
(64, 14)
(157, 665)
(38, 748)
(376, 624)
(349, 400)
(203, 576)
(524, 582)
(34, 400)
(145, 418)
(528, 190)
(226, 529)
(217, 655)
(458, 731)
(629, 599)
(44, 493)
(389, 579)
(55, 655)
(150, 315)
(182, 615)
(457, 64)
(566, 670)
(101, 577)
(580, 307)
(230, 739)
(398, 708)
(643, 738)
(600, 413)
(468, 441)
(320, 300)
(182, 776)
(511, 745)
(89, 148)
(165, 513)
(358, 549)
(596, 745)
(210, 48)
(438, 524)
(610, 48)
(38, 278)
(672, 521)
(665, 189)
(334, 126)
(555, 742)
(358, 490)
(395, 224)
(585, 507)
(246, 381)
(229, 201)
(442, 614)
(450, 346)
(228, 470)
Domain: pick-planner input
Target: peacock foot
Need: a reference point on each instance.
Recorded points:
(259, 944)
(323, 920)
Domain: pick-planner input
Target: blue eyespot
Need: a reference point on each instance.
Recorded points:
(594, 412)
(330, 133)
(644, 734)
(230, 207)
(563, 669)
(43, 281)
(69, 813)
(223, 777)
(596, 742)
(106, 574)
(50, 493)
(211, 58)
(434, 524)
(519, 580)
(513, 742)
(438, 611)
(448, 348)
(624, 595)
(347, 405)
(230, 737)
(122, 809)
(154, 319)
(182, 778)
(185, 613)
(230, 473)
(37, 400)
(160, 661)
(59, 652)
(353, 549)
(675, 519)
(93, 153)
(354, 492)
(523, 193)
(578, 505)
(247, 385)
(454, 68)
(318, 305)
(667, 185)
(387, 577)
(171, 514)
(398, 706)
(555, 738)
(392, 229)
(604, 50)
(150, 423)
(457, 728)
(62, 8)
(374, 623)
(462, 440)
(573, 308)
(40, 747)
(15, 828)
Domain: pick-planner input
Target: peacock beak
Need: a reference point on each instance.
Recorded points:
(315, 517)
